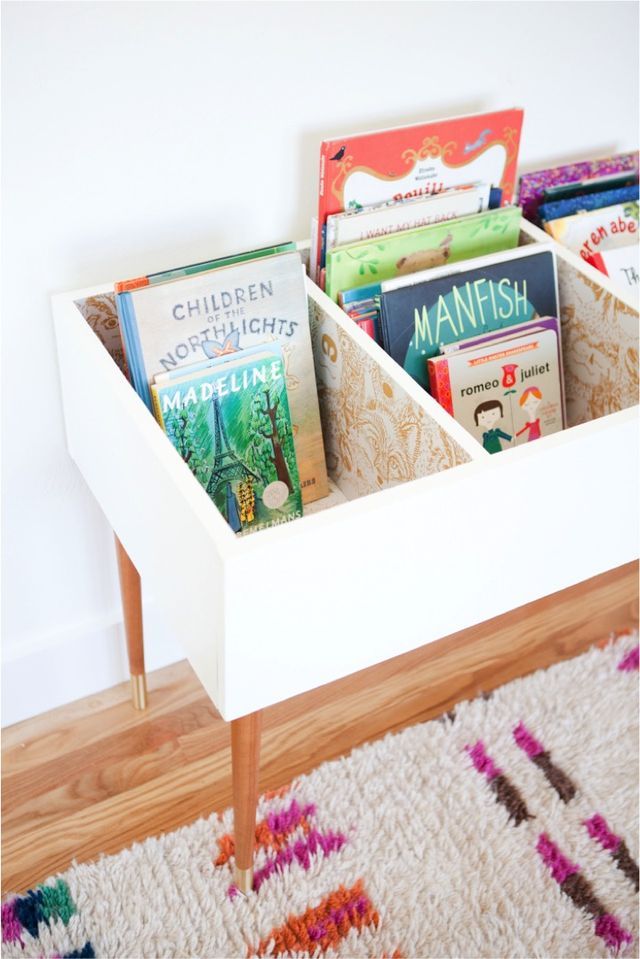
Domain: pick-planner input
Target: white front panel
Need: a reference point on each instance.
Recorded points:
(393, 571)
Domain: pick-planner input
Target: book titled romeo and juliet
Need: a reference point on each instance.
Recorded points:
(229, 419)
(504, 389)
(168, 325)
(420, 159)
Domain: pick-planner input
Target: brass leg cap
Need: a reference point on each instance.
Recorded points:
(243, 879)
(139, 691)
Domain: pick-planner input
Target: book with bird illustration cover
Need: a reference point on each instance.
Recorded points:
(511, 288)
(415, 160)
(185, 320)
(408, 252)
(507, 391)
(231, 424)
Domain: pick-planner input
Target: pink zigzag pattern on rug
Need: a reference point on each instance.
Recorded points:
(538, 755)
(527, 741)
(631, 661)
(338, 916)
(482, 762)
(609, 929)
(574, 885)
(288, 819)
(11, 926)
(561, 867)
(598, 829)
(301, 852)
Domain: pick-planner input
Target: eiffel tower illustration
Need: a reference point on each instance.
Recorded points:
(227, 465)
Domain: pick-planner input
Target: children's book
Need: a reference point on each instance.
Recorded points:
(380, 219)
(556, 209)
(416, 160)
(533, 185)
(599, 184)
(169, 325)
(231, 424)
(204, 267)
(416, 321)
(402, 253)
(598, 230)
(506, 392)
(622, 266)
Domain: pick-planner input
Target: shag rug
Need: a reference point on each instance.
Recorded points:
(505, 828)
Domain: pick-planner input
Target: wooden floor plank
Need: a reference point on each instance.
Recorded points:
(96, 775)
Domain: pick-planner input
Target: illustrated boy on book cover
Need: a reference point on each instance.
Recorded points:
(486, 416)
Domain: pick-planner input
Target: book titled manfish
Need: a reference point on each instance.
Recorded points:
(490, 293)
(172, 324)
(229, 419)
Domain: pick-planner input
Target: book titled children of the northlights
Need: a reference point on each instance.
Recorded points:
(229, 419)
(168, 325)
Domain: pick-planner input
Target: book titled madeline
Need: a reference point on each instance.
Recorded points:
(210, 312)
(229, 419)
(493, 294)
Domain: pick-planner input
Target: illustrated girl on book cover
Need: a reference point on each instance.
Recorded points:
(530, 401)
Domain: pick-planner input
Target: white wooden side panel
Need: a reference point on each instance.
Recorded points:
(161, 514)
(393, 571)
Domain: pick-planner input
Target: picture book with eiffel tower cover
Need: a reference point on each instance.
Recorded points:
(229, 420)
(168, 325)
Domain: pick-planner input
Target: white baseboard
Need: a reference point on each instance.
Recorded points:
(85, 658)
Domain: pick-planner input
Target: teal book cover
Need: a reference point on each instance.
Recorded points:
(169, 326)
(231, 424)
(399, 254)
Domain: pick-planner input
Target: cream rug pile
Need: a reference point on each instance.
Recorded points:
(507, 828)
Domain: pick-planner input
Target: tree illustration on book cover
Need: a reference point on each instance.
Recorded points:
(233, 429)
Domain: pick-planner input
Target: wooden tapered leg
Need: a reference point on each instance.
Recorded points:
(132, 609)
(245, 759)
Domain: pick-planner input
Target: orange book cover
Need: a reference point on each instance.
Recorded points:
(416, 160)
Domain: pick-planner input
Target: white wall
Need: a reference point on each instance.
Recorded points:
(139, 136)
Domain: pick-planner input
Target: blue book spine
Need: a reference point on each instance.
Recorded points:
(361, 293)
(557, 209)
(127, 317)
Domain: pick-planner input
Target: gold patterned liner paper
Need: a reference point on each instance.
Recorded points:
(375, 434)
(600, 347)
(100, 313)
